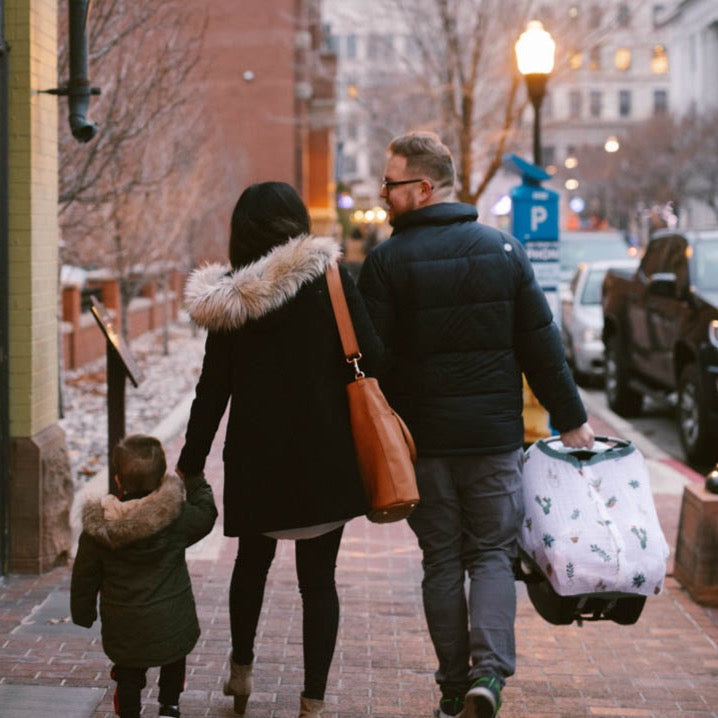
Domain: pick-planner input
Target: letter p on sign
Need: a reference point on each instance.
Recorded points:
(539, 214)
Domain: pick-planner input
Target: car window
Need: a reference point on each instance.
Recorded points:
(674, 258)
(705, 266)
(590, 249)
(592, 289)
(652, 259)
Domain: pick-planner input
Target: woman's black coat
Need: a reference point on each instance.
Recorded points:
(273, 351)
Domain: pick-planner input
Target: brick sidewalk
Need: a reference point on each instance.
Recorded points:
(664, 666)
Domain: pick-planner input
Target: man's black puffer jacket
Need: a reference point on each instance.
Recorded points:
(458, 305)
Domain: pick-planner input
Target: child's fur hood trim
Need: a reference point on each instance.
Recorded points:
(117, 523)
(218, 298)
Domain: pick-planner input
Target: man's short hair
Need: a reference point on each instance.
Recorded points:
(426, 154)
(139, 462)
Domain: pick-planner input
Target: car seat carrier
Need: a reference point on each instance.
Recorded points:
(591, 547)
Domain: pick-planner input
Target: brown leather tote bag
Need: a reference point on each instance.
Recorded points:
(384, 446)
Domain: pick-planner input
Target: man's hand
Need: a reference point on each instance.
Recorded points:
(581, 438)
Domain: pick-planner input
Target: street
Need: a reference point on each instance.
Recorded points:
(656, 423)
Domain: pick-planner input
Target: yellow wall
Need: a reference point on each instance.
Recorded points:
(31, 32)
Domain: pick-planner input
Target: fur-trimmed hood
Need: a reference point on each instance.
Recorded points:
(218, 298)
(117, 523)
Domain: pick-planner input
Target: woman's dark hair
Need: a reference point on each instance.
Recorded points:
(266, 214)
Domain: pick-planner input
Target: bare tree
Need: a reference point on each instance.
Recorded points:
(114, 190)
(458, 76)
(663, 160)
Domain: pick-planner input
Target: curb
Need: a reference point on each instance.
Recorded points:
(668, 475)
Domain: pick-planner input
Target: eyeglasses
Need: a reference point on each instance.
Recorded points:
(386, 184)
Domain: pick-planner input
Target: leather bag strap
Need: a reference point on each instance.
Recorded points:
(350, 344)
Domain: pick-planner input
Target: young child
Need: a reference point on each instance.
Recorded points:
(132, 552)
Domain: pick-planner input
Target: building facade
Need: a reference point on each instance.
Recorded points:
(620, 76)
(267, 95)
(613, 70)
(693, 28)
(37, 487)
(268, 88)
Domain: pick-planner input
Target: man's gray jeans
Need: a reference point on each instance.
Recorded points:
(467, 522)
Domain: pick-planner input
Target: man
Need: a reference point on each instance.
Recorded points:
(458, 305)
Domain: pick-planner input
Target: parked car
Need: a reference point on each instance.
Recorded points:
(661, 335)
(590, 246)
(582, 317)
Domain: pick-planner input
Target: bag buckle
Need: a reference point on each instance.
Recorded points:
(354, 360)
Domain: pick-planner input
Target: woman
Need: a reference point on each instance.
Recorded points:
(273, 351)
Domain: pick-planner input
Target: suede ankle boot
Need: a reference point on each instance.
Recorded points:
(310, 707)
(239, 685)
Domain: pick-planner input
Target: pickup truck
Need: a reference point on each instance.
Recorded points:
(660, 331)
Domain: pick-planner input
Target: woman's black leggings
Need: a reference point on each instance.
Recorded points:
(316, 561)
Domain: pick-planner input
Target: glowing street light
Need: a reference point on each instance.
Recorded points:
(535, 51)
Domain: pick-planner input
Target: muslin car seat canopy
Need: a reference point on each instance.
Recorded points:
(591, 524)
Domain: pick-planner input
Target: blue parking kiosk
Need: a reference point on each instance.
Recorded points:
(534, 217)
(534, 222)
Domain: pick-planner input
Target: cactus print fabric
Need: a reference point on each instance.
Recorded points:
(591, 524)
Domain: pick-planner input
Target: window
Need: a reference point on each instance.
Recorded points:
(331, 43)
(547, 107)
(351, 88)
(623, 17)
(675, 259)
(380, 47)
(622, 59)
(571, 161)
(594, 58)
(595, 16)
(652, 260)
(659, 60)
(549, 155)
(350, 165)
(351, 46)
(595, 103)
(624, 103)
(412, 48)
(352, 131)
(575, 60)
(574, 104)
(658, 10)
(546, 14)
(660, 102)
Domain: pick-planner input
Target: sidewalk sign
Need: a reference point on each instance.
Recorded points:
(120, 363)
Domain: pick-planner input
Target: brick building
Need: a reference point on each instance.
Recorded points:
(269, 90)
(267, 95)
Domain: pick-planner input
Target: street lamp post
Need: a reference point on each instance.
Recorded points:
(535, 53)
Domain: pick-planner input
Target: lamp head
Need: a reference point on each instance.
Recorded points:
(535, 50)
